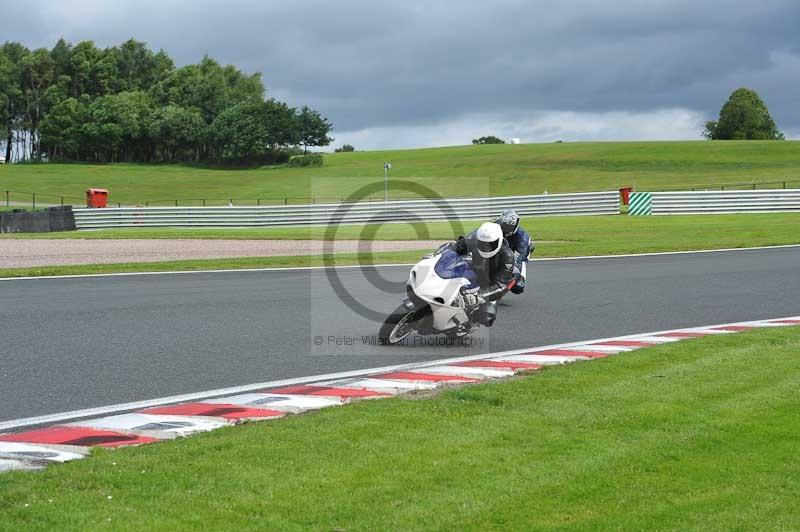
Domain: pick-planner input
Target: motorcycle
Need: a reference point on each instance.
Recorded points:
(434, 304)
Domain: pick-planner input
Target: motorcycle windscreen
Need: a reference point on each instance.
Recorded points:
(452, 266)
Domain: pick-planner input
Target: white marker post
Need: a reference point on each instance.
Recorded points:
(386, 168)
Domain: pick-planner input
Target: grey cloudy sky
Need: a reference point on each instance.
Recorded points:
(413, 73)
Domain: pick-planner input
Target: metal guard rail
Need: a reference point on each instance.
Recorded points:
(726, 202)
(590, 203)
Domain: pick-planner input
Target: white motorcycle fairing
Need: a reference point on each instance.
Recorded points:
(441, 293)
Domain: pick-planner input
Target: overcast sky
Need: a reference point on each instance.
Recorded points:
(413, 73)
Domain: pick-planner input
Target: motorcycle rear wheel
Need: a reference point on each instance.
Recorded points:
(400, 324)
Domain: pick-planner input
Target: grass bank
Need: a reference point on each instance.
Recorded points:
(456, 171)
(696, 435)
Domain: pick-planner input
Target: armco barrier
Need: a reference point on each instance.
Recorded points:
(726, 201)
(62, 218)
(44, 221)
(320, 214)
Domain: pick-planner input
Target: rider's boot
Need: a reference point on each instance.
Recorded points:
(487, 313)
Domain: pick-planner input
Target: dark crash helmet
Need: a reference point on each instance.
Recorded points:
(509, 222)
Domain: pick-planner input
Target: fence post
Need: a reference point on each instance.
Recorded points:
(62, 201)
(258, 202)
(204, 202)
(176, 203)
(8, 202)
(286, 201)
(34, 201)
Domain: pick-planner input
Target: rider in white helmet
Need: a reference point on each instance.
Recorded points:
(493, 261)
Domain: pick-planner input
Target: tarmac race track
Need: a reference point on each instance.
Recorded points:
(74, 343)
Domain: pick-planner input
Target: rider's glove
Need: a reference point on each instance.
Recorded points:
(471, 299)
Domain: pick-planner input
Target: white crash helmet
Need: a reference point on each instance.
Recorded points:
(490, 239)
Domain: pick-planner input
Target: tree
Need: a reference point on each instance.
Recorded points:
(6, 86)
(281, 125)
(38, 69)
(105, 75)
(132, 111)
(207, 87)
(240, 132)
(94, 71)
(60, 130)
(345, 148)
(12, 56)
(491, 139)
(743, 117)
(118, 127)
(61, 54)
(163, 65)
(177, 132)
(240, 87)
(312, 129)
(137, 66)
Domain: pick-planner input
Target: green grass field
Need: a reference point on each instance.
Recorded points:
(696, 435)
(556, 236)
(457, 171)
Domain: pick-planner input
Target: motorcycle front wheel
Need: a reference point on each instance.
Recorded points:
(400, 324)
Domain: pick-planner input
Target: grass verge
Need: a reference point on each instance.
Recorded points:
(556, 236)
(695, 435)
(299, 261)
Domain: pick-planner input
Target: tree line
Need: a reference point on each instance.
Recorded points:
(127, 103)
(490, 139)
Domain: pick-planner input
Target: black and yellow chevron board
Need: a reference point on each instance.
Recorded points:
(640, 204)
